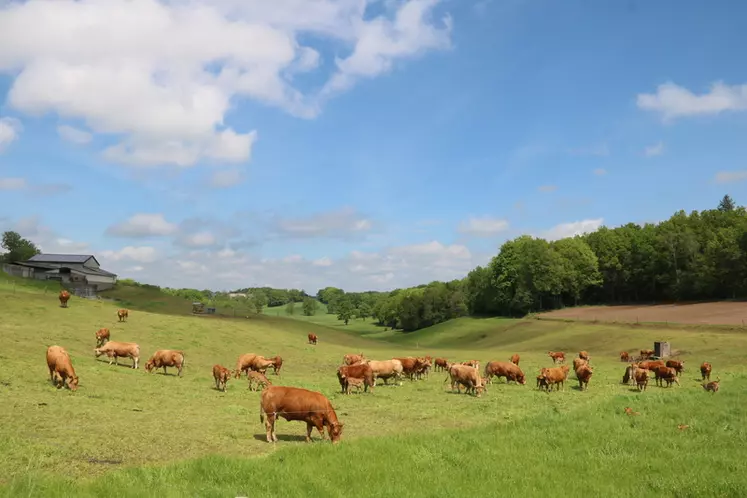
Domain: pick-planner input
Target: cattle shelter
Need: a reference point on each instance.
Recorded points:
(662, 349)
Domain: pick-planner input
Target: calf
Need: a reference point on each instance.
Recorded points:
(312, 338)
(102, 336)
(122, 314)
(277, 364)
(441, 364)
(352, 359)
(386, 370)
(555, 376)
(705, 370)
(221, 375)
(678, 365)
(629, 411)
(629, 377)
(510, 371)
(667, 374)
(515, 359)
(61, 371)
(294, 403)
(64, 298)
(624, 356)
(641, 378)
(361, 371)
(583, 374)
(712, 386)
(114, 349)
(557, 356)
(257, 379)
(353, 382)
(467, 376)
(166, 358)
(423, 368)
(542, 383)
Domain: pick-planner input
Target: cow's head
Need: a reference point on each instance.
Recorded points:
(521, 379)
(72, 383)
(335, 431)
(98, 352)
(149, 365)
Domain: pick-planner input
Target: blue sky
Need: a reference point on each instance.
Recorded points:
(365, 144)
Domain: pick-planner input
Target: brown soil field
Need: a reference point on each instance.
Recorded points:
(725, 313)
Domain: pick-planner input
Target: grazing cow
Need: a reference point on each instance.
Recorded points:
(583, 374)
(243, 364)
(472, 363)
(647, 353)
(122, 314)
(114, 349)
(423, 368)
(577, 362)
(361, 371)
(629, 411)
(663, 373)
(641, 378)
(557, 357)
(295, 403)
(705, 370)
(61, 371)
(277, 364)
(510, 371)
(410, 366)
(102, 336)
(221, 375)
(64, 298)
(678, 365)
(166, 358)
(515, 359)
(386, 370)
(353, 382)
(624, 356)
(629, 377)
(467, 376)
(313, 338)
(712, 386)
(352, 359)
(584, 355)
(555, 376)
(651, 364)
(441, 364)
(257, 379)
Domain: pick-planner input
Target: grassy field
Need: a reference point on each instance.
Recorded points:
(129, 433)
(321, 317)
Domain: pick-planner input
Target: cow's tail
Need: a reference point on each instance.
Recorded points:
(261, 414)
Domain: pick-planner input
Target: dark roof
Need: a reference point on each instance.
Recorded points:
(62, 258)
(76, 268)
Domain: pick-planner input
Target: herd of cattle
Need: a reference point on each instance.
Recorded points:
(359, 372)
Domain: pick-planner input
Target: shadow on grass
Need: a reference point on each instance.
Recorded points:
(286, 437)
(125, 365)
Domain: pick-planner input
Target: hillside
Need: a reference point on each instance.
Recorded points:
(321, 317)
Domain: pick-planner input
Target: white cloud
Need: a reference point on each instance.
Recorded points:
(654, 150)
(46, 239)
(547, 188)
(199, 239)
(9, 130)
(731, 176)
(74, 135)
(570, 229)
(140, 254)
(143, 225)
(340, 223)
(226, 178)
(600, 171)
(161, 76)
(483, 227)
(325, 261)
(673, 101)
(12, 184)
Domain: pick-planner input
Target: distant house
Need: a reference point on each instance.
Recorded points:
(81, 272)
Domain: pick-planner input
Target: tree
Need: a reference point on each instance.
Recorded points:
(17, 248)
(726, 204)
(290, 308)
(310, 306)
(344, 309)
(363, 311)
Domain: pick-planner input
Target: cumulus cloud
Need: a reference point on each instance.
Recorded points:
(140, 254)
(226, 178)
(143, 225)
(672, 101)
(40, 189)
(47, 239)
(483, 227)
(731, 176)
(571, 229)
(74, 135)
(9, 130)
(654, 150)
(345, 222)
(165, 91)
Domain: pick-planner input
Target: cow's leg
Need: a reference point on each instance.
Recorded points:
(113, 357)
(309, 428)
(319, 423)
(270, 427)
(164, 369)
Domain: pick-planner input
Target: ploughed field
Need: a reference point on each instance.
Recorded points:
(722, 313)
(129, 433)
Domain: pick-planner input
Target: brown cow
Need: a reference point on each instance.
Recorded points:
(313, 338)
(705, 370)
(557, 357)
(472, 363)
(353, 382)
(102, 337)
(584, 355)
(61, 371)
(114, 349)
(441, 364)
(243, 364)
(651, 364)
(294, 403)
(629, 377)
(361, 371)
(277, 364)
(678, 365)
(515, 359)
(386, 370)
(410, 366)
(352, 359)
(624, 356)
(467, 376)
(221, 375)
(423, 368)
(64, 298)
(712, 386)
(260, 364)
(629, 411)
(641, 378)
(583, 374)
(542, 382)
(665, 374)
(122, 314)
(510, 371)
(577, 362)
(555, 376)
(647, 353)
(257, 379)
(166, 358)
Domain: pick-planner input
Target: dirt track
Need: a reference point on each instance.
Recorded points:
(731, 313)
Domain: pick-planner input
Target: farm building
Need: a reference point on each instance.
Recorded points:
(81, 272)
